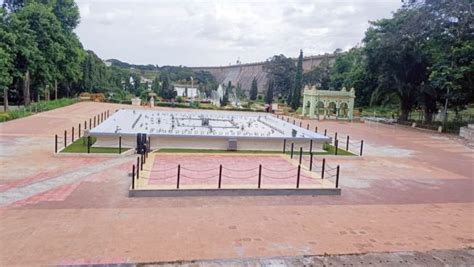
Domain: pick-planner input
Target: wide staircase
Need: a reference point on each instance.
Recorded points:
(467, 133)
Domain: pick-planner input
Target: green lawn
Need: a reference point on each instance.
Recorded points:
(80, 146)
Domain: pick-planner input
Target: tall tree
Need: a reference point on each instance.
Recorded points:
(298, 84)
(319, 75)
(269, 93)
(282, 71)
(254, 89)
(396, 59)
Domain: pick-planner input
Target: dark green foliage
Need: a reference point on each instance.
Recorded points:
(298, 84)
(269, 93)
(254, 89)
(282, 71)
(319, 75)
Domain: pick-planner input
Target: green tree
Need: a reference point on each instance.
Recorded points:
(398, 61)
(282, 71)
(319, 75)
(269, 93)
(254, 89)
(298, 84)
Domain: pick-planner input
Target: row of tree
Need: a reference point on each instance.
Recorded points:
(419, 58)
(40, 54)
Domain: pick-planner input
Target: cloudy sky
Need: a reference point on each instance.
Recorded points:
(203, 33)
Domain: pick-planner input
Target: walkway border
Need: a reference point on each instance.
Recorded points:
(233, 192)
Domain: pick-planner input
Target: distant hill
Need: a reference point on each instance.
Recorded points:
(125, 65)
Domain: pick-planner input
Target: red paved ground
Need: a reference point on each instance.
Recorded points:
(412, 190)
(236, 170)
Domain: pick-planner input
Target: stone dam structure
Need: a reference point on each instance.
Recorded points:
(244, 73)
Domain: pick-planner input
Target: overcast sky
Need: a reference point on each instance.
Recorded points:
(204, 33)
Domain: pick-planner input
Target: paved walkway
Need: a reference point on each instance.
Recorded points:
(412, 191)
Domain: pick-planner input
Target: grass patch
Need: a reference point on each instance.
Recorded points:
(80, 146)
(330, 150)
(36, 108)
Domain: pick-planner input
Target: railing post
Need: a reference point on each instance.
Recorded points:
(55, 143)
(323, 167)
(133, 176)
(336, 144)
(325, 132)
(310, 145)
(88, 144)
(102, 117)
(347, 144)
(65, 138)
(138, 168)
(292, 146)
(298, 177)
(301, 154)
(335, 137)
(94, 120)
(177, 178)
(120, 144)
(220, 177)
(361, 146)
(310, 161)
(284, 146)
(259, 175)
(72, 134)
(337, 176)
(79, 136)
(316, 129)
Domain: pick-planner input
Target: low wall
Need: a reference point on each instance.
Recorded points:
(215, 143)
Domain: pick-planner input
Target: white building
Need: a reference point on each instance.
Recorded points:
(186, 91)
(217, 96)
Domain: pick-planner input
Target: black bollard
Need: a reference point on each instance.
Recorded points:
(347, 143)
(292, 146)
(178, 176)
(72, 134)
(316, 129)
(55, 143)
(133, 176)
(336, 143)
(259, 176)
(220, 177)
(323, 167)
(307, 127)
(138, 168)
(298, 177)
(337, 176)
(301, 154)
(310, 161)
(361, 146)
(88, 144)
(120, 144)
(325, 132)
(65, 138)
(284, 146)
(311, 146)
(79, 136)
